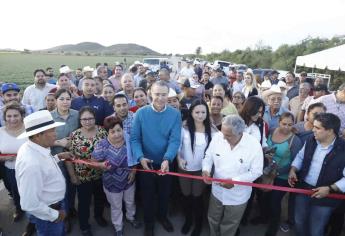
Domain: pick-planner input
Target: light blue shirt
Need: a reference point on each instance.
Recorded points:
(273, 121)
(316, 165)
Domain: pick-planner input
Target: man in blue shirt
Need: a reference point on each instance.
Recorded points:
(155, 139)
(274, 108)
(319, 166)
(101, 107)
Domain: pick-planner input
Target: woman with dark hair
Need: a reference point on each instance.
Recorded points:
(196, 135)
(9, 144)
(238, 99)
(88, 180)
(228, 108)
(140, 98)
(114, 156)
(64, 113)
(252, 112)
(216, 105)
(108, 93)
(285, 145)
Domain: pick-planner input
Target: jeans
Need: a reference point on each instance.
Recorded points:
(149, 184)
(47, 228)
(275, 206)
(11, 178)
(85, 191)
(310, 220)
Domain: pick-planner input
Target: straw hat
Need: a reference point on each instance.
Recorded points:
(275, 89)
(38, 122)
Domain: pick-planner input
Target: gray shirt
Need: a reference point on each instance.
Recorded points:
(71, 124)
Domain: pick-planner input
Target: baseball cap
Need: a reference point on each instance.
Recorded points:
(9, 86)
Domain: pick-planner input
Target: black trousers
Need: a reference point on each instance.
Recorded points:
(152, 184)
(85, 192)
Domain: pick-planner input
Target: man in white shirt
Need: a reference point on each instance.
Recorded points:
(188, 70)
(34, 94)
(41, 184)
(237, 156)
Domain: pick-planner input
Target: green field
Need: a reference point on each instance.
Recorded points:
(18, 68)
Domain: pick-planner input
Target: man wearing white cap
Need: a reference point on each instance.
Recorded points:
(87, 72)
(40, 182)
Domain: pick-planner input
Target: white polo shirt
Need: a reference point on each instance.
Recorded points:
(242, 163)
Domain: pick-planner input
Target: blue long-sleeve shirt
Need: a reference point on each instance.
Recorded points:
(156, 135)
(101, 107)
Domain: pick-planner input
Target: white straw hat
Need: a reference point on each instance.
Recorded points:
(38, 122)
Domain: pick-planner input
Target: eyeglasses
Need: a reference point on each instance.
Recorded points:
(87, 119)
(237, 97)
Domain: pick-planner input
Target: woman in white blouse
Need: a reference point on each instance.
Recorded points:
(196, 135)
(9, 144)
(252, 113)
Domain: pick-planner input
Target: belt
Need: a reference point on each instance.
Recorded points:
(56, 206)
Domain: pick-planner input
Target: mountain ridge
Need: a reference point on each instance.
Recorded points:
(92, 47)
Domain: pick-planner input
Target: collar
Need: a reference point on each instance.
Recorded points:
(165, 107)
(330, 146)
(55, 113)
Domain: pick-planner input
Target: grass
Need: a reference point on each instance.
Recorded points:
(19, 68)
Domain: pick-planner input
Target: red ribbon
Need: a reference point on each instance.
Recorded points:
(8, 154)
(255, 185)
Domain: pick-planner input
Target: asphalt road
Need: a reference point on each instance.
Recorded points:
(16, 229)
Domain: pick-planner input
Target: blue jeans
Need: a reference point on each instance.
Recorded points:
(310, 220)
(47, 228)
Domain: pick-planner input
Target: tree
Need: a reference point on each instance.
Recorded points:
(198, 51)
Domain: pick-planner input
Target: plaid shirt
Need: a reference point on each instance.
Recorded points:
(334, 107)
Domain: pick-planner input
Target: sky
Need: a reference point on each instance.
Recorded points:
(177, 26)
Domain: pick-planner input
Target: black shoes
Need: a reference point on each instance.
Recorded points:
(17, 215)
(166, 224)
(186, 226)
(134, 223)
(148, 232)
(87, 232)
(101, 221)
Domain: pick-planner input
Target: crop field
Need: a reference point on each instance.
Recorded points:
(18, 68)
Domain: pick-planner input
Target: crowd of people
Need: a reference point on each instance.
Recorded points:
(85, 134)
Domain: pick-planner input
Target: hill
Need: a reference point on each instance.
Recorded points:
(96, 48)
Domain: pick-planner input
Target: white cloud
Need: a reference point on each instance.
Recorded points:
(176, 26)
